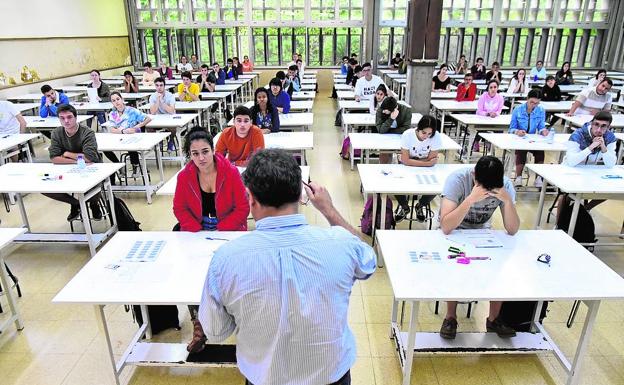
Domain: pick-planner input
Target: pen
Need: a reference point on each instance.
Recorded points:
(217, 239)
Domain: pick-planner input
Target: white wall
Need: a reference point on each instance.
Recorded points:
(62, 18)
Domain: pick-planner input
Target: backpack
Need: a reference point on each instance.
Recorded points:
(161, 317)
(585, 230)
(366, 222)
(344, 151)
(519, 314)
(125, 220)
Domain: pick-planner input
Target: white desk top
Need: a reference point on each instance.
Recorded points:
(571, 88)
(212, 95)
(21, 107)
(295, 105)
(37, 97)
(579, 120)
(81, 89)
(531, 142)
(563, 105)
(129, 142)
(290, 140)
(353, 105)
(400, 179)
(453, 105)
(303, 95)
(86, 106)
(343, 86)
(28, 177)
(375, 141)
(443, 95)
(478, 120)
(512, 274)
(170, 186)
(369, 119)
(51, 121)
(8, 234)
(135, 95)
(175, 277)
(187, 106)
(619, 135)
(170, 121)
(345, 94)
(586, 179)
(295, 119)
(9, 141)
(227, 87)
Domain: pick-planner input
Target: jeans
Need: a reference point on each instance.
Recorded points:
(345, 380)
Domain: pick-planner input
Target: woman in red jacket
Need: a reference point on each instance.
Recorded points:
(209, 194)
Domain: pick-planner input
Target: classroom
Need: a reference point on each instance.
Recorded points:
(312, 192)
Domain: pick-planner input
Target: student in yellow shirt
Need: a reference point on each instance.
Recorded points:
(187, 90)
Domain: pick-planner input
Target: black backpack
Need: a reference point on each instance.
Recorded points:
(519, 314)
(585, 230)
(125, 220)
(161, 317)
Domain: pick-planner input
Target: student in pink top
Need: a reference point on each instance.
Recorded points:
(490, 103)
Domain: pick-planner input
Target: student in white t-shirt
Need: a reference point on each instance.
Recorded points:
(11, 121)
(419, 148)
(366, 86)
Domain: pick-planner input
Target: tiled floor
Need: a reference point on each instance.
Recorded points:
(62, 344)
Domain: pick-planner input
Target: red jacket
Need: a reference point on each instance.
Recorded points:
(230, 198)
(466, 95)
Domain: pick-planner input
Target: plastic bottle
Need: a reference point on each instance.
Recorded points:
(551, 136)
(80, 162)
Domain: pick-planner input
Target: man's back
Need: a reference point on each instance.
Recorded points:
(285, 288)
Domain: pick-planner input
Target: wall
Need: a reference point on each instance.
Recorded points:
(60, 38)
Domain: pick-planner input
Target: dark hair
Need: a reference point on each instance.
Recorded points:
(65, 108)
(299, 60)
(479, 58)
(187, 74)
(428, 121)
(354, 54)
(183, 56)
(495, 64)
(236, 58)
(204, 66)
(398, 54)
(147, 64)
(382, 87)
(540, 61)
(389, 103)
(116, 93)
(467, 75)
(96, 71)
(600, 115)
(215, 64)
(196, 133)
(273, 177)
(366, 65)
(550, 77)
(160, 79)
(569, 71)
(357, 69)
(534, 94)
(275, 82)
(515, 75)
(352, 61)
(255, 109)
(345, 57)
(229, 60)
(126, 73)
(492, 81)
(601, 71)
(607, 80)
(489, 172)
(242, 110)
(443, 66)
(293, 67)
(45, 88)
(462, 56)
(280, 75)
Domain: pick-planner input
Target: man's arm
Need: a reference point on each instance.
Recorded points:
(453, 214)
(511, 220)
(321, 200)
(216, 322)
(22, 123)
(608, 156)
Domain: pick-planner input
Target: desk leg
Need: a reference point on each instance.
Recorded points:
(179, 138)
(4, 279)
(394, 314)
(575, 210)
(443, 116)
(373, 229)
(352, 155)
(592, 311)
(20, 204)
(411, 342)
(111, 203)
(146, 182)
(86, 223)
(99, 310)
(540, 205)
(159, 164)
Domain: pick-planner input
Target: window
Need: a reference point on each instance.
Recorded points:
(174, 10)
(328, 49)
(480, 10)
(513, 10)
(147, 11)
(350, 9)
(540, 10)
(232, 10)
(314, 42)
(323, 9)
(204, 10)
(264, 10)
(292, 10)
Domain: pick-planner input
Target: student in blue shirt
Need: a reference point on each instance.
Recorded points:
(263, 113)
(231, 71)
(50, 100)
(278, 98)
(219, 75)
(528, 118)
(344, 66)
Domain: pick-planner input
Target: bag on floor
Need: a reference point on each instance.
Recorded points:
(366, 222)
(125, 220)
(344, 151)
(161, 317)
(585, 230)
(338, 120)
(519, 314)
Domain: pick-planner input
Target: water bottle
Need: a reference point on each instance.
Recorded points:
(551, 136)
(80, 162)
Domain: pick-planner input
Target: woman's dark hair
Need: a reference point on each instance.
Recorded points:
(280, 75)
(442, 66)
(428, 121)
(492, 81)
(489, 172)
(116, 93)
(389, 104)
(196, 133)
(96, 71)
(569, 71)
(515, 76)
(275, 82)
(601, 71)
(126, 73)
(273, 177)
(255, 107)
(384, 89)
(550, 77)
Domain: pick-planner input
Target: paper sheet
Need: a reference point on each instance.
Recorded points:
(476, 238)
(93, 95)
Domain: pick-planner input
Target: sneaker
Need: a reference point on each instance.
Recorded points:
(170, 146)
(74, 213)
(136, 173)
(420, 213)
(518, 181)
(96, 213)
(448, 330)
(400, 213)
(539, 182)
(497, 326)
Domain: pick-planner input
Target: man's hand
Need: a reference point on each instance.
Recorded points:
(597, 142)
(319, 197)
(545, 132)
(394, 114)
(477, 194)
(501, 194)
(492, 114)
(520, 133)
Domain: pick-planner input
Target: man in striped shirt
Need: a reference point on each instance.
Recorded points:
(593, 100)
(284, 288)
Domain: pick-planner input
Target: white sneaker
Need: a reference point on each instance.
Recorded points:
(518, 181)
(539, 182)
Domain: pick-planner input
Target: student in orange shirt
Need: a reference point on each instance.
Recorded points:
(239, 142)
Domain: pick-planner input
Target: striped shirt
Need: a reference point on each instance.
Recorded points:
(284, 290)
(590, 99)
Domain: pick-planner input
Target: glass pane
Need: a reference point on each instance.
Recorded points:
(162, 41)
(314, 56)
(328, 50)
(149, 46)
(259, 50)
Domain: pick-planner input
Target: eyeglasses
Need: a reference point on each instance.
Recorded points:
(600, 126)
(544, 258)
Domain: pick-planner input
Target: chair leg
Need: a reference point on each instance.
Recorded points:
(435, 309)
(573, 312)
(469, 310)
(552, 207)
(411, 215)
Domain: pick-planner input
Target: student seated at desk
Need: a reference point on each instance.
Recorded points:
(238, 66)
(11, 122)
(263, 113)
(206, 80)
(50, 101)
(519, 84)
(350, 71)
(466, 91)
(551, 91)
(461, 67)
(239, 142)
(396, 61)
(344, 65)
(163, 102)
(277, 97)
(392, 118)
(592, 100)
(124, 119)
(478, 69)
(103, 94)
(131, 84)
(441, 82)
(494, 73)
(187, 90)
(600, 75)
(564, 76)
(419, 148)
(149, 75)
(294, 82)
(366, 86)
(538, 72)
(218, 74)
(528, 118)
(165, 71)
(380, 95)
(184, 65)
(195, 63)
(490, 104)
(248, 66)
(231, 72)
(469, 198)
(68, 142)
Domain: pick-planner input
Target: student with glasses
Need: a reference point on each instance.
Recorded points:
(366, 86)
